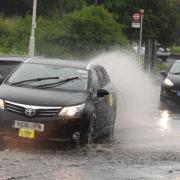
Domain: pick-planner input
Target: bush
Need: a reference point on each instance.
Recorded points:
(75, 35)
(176, 50)
(79, 34)
(14, 35)
(91, 29)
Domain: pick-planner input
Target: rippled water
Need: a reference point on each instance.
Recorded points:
(146, 143)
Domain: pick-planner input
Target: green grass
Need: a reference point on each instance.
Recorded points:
(176, 50)
(160, 66)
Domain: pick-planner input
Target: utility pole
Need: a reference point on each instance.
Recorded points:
(32, 38)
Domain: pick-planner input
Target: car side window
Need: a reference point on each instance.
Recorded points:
(95, 80)
(7, 67)
(107, 79)
(103, 77)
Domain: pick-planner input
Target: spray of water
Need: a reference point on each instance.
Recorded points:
(138, 95)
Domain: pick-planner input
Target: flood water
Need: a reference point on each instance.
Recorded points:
(146, 142)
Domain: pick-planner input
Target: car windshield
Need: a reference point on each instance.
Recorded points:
(39, 75)
(175, 68)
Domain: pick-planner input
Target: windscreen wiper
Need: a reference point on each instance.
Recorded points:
(50, 85)
(34, 80)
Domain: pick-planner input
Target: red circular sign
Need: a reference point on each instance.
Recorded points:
(136, 16)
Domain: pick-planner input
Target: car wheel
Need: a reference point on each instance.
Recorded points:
(89, 136)
(111, 128)
(110, 132)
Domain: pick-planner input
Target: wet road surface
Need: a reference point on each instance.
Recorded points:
(146, 142)
(143, 152)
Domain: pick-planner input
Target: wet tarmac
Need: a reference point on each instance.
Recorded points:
(146, 143)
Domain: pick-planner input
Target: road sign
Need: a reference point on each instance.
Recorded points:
(136, 20)
(136, 25)
(136, 17)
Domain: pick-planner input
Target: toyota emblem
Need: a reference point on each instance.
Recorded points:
(30, 112)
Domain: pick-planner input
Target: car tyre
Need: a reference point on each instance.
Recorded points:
(110, 132)
(89, 135)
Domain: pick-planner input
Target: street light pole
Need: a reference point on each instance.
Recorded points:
(32, 38)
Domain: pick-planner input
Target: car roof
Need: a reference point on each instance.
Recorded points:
(13, 58)
(69, 63)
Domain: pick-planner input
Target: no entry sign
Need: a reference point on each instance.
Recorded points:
(136, 19)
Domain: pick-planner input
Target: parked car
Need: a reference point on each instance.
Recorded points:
(170, 86)
(8, 63)
(162, 53)
(57, 100)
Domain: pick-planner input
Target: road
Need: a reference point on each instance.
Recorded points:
(146, 142)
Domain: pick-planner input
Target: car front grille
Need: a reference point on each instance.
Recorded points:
(39, 110)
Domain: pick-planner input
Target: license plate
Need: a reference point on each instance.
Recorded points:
(28, 125)
(26, 133)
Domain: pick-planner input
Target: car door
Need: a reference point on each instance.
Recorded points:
(94, 85)
(103, 108)
(112, 99)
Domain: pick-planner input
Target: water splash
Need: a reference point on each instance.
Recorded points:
(137, 93)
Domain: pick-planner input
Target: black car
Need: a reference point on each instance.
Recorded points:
(8, 63)
(170, 86)
(57, 100)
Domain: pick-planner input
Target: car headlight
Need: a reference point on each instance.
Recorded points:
(72, 111)
(1, 104)
(168, 82)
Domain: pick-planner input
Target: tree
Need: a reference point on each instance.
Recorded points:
(79, 34)
(91, 29)
(160, 18)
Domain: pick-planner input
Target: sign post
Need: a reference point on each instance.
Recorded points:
(137, 21)
(141, 28)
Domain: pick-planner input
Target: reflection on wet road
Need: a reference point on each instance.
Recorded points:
(164, 123)
(146, 144)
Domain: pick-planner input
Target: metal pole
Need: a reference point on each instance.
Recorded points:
(32, 38)
(140, 39)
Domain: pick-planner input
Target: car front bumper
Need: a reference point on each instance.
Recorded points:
(55, 128)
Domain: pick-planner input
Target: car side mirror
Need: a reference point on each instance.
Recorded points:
(163, 73)
(102, 93)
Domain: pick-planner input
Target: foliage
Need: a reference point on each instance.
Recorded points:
(176, 50)
(160, 18)
(73, 26)
(14, 34)
(160, 66)
(91, 29)
(77, 34)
